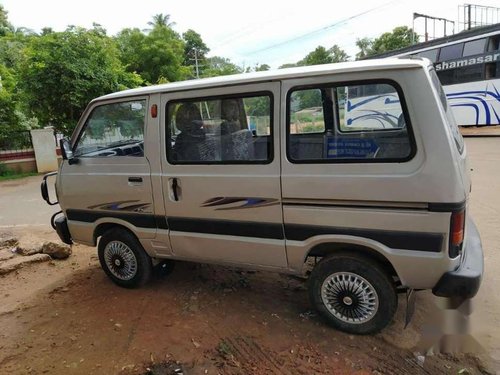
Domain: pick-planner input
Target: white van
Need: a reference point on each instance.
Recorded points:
(357, 166)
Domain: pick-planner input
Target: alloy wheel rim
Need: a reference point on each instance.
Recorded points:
(120, 260)
(350, 297)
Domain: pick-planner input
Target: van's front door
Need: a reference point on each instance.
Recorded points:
(221, 175)
(109, 179)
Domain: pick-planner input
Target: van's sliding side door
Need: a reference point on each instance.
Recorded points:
(221, 174)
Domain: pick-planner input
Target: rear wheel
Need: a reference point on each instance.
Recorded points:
(123, 258)
(354, 294)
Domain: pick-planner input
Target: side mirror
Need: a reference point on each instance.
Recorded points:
(66, 151)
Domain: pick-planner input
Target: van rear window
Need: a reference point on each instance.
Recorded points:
(450, 118)
(356, 122)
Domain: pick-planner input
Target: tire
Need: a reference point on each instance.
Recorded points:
(335, 291)
(123, 258)
(164, 268)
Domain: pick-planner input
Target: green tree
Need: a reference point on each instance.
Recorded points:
(161, 20)
(194, 50)
(262, 68)
(23, 31)
(63, 71)
(288, 65)
(12, 45)
(220, 66)
(5, 26)
(399, 37)
(306, 99)
(13, 49)
(8, 118)
(365, 48)
(157, 56)
(47, 30)
(321, 55)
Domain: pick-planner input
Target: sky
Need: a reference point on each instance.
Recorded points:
(247, 32)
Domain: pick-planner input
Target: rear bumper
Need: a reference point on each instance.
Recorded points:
(465, 280)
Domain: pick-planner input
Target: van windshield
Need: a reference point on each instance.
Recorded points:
(450, 119)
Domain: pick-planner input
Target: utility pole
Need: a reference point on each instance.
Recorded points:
(469, 17)
(196, 62)
(198, 77)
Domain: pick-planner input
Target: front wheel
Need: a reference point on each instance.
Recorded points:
(354, 294)
(123, 258)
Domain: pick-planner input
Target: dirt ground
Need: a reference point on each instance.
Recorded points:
(66, 317)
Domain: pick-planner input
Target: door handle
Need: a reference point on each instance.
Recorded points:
(175, 185)
(134, 181)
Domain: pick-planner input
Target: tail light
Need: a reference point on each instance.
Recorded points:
(457, 233)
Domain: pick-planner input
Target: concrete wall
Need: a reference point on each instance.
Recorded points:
(45, 149)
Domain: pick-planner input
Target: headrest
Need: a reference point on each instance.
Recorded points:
(187, 117)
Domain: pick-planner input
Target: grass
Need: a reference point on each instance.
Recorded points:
(16, 175)
(225, 349)
(9, 174)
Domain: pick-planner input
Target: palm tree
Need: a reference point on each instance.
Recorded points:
(161, 20)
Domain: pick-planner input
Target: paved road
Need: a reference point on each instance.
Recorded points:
(22, 205)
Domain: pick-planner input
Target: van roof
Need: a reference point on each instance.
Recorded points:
(273, 75)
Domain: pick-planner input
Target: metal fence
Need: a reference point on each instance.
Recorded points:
(15, 145)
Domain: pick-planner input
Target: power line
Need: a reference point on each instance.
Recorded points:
(323, 28)
(246, 30)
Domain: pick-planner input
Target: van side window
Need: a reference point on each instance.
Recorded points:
(221, 130)
(452, 124)
(306, 115)
(115, 129)
(360, 122)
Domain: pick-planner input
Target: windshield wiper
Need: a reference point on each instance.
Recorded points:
(123, 143)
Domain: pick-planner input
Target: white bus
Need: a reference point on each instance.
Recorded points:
(468, 66)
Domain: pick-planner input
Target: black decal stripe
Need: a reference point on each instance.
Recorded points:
(447, 207)
(431, 242)
(432, 207)
(136, 219)
(357, 206)
(161, 222)
(225, 227)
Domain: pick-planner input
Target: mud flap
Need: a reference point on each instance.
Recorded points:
(410, 305)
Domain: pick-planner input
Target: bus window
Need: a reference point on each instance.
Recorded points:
(474, 47)
(494, 43)
(469, 74)
(431, 54)
(492, 70)
(451, 52)
(461, 75)
(446, 77)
